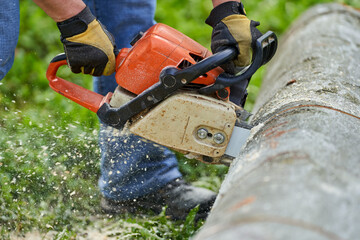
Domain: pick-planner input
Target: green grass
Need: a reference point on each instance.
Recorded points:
(49, 157)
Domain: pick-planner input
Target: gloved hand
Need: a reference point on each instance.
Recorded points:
(231, 28)
(89, 47)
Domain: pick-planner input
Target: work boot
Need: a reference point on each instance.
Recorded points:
(179, 197)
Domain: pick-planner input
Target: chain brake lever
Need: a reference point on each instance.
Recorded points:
(265, 48)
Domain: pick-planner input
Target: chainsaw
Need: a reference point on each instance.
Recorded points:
(172, 91)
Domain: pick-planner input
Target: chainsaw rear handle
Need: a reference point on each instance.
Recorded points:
(264, 50)
(72, 91)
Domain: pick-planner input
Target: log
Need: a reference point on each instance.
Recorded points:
(298, 175)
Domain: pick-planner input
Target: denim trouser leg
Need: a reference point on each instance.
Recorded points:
(130, 166)
(9, 32)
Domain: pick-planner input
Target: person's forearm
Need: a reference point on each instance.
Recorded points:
(60, 10)
(218, 2)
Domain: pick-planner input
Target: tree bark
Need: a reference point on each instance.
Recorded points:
(298, 176)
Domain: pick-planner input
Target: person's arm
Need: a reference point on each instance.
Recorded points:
(60, 10)
(88, 46)
(218, 2)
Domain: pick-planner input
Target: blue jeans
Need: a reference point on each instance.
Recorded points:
(9, 32)
(130, 166)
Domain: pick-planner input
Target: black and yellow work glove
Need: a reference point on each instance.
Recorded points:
(89, 47)
(231, 28)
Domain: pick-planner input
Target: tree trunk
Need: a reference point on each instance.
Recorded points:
(298, 176)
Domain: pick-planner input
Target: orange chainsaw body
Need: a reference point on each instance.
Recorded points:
(139, 67)
(160, 65)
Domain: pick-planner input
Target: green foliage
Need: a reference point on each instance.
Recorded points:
(49, 158)
(147, 227)
(65, 234)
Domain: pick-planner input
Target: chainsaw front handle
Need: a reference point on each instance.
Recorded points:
(72, 91)
(264, 50)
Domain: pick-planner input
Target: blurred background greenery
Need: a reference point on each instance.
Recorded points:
(49, 159)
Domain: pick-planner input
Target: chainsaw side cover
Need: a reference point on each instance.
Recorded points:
(179, 123)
